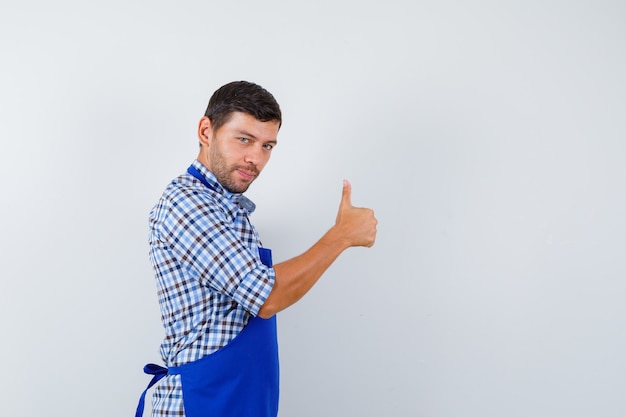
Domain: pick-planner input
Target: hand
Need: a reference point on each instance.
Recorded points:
(357, 225)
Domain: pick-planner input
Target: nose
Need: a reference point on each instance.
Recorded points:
(253, 155)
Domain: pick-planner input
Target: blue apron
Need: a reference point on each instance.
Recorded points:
(239, 380)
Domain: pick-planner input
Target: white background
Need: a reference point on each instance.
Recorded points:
(489, 137)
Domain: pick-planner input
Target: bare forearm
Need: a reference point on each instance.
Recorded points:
(354, 227)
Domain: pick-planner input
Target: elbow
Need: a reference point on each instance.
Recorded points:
(266, 311)
(271, 305)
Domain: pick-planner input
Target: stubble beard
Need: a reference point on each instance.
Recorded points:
(225, 173)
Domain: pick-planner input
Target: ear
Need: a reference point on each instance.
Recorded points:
(205, 131)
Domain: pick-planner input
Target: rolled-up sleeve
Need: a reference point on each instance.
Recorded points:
(254, 289)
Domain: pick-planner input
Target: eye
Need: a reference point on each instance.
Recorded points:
(268, 147)
(244, 140)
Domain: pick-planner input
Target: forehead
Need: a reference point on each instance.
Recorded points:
(244, 123)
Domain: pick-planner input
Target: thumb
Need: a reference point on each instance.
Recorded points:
(346, 194)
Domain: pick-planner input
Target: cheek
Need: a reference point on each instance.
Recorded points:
(227, 154)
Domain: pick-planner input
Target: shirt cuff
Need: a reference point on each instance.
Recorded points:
(254, 289)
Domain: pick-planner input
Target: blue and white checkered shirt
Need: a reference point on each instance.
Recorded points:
(210, 281)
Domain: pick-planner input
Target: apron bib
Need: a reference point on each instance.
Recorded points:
(239, 380)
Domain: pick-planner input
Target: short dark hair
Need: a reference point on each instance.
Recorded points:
(245, 97)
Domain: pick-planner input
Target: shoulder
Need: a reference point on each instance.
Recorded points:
(187, 197)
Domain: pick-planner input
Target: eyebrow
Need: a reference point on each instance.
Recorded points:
(245, 133)
(251, 136)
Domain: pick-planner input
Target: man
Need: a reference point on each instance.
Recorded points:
(217, 288)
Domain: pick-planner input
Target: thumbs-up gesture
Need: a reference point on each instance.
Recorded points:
(357, 225)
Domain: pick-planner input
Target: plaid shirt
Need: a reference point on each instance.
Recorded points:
(210, 281)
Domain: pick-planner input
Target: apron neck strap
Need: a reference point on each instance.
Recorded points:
(197, 174)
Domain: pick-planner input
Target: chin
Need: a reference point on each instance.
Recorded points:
(238, 189)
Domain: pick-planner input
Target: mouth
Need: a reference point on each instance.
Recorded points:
(247, 175)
